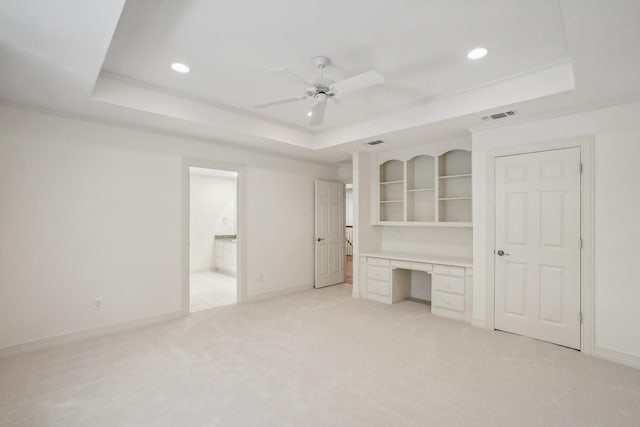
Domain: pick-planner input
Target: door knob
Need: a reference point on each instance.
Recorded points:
(502, 253)
(320, 239)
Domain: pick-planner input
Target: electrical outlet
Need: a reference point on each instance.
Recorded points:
(97, 304)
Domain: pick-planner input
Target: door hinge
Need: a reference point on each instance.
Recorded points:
(581, 318)
(580, 168)
(581, 243)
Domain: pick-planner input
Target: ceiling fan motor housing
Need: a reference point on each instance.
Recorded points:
(321, 97)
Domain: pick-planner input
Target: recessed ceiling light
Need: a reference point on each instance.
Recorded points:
(477, 53)
(179, 67)
(310, 113)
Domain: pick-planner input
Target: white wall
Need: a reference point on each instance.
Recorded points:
(348, 206)
(365, 236)
(446, 241)
(345, 172)
(92, 211)
(617, 211)
(212, 212)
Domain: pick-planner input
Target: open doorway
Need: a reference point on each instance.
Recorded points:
(348, 233)
(213, 238)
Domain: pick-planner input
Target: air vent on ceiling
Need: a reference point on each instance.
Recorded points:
(376, 142)
(500, 115)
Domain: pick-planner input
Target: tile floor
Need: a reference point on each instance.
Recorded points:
(211, 289)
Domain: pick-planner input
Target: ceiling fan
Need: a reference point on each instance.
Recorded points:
(322, 89)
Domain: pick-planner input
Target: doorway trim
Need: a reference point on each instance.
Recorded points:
(587, 231)
(241, 187)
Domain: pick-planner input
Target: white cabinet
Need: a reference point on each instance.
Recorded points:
(428, 187)
(382, 285)
(451, 292)
(387, 279)
(378, 279)
(226, 250)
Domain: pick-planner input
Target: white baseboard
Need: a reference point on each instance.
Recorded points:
(617, 357)
(279, 292)
(86, 334)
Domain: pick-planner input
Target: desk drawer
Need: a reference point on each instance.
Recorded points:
(379, 273)
(377, 261)
(449, 270)
(448, 284)
(448, 301)
(378, 287)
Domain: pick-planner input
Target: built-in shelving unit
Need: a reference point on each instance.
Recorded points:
(454, 180)
(391, 203)
(421, 187)
(426, 189)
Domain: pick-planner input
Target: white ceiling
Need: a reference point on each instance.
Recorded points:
(419, 46)
(110, 61)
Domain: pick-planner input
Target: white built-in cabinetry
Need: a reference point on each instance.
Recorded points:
(387, 279)
(429, 187)
(226, 249)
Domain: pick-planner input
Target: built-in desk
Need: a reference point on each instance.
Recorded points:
(386, 277)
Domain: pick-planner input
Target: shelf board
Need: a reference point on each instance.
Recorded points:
(413, 190)
(423, 224)
(444, 199)
(391, 182)
(391, 201)
(464, 175)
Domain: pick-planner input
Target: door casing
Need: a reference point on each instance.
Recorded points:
(587, 274)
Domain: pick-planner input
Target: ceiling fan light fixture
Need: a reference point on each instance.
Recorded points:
(477, 53)
(179, 67)
(322, 89)
(321, 97)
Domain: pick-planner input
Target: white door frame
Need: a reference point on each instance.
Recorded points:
(587, 273)
(241, 186)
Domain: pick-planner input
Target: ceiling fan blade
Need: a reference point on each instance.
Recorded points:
(280, 102)
(291, 76)
(317, 114)
(370, 78)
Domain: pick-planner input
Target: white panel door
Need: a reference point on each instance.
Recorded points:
(537, 252)
(329, 238)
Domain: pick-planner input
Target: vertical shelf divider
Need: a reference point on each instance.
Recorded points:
(405, 192)
(436, 190)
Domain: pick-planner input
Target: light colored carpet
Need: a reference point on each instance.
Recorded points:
(210, 289)
(316, 358)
